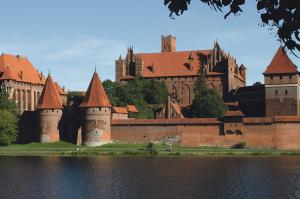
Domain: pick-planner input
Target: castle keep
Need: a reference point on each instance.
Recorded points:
(179, 69)
(266, 115)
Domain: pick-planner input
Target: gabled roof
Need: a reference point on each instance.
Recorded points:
(122, 110)
(168, 64)
(8, 74)
(95, 95)
(50, 98)
(132, 109)
(21, 68)
(281, 64)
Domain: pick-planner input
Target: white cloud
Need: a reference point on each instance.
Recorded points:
(71, 60)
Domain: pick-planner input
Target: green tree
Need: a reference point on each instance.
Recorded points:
(140, 92)
(6, 104)
(282, 15)
(207, 102)
(8, 127)
(257, 84)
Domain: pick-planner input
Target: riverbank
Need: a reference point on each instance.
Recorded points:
(68, 149)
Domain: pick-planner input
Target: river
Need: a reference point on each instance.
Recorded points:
(149, 177)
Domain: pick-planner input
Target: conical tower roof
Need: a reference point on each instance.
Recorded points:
(281, 64)
(50, 98)
(95, 95)
(8, 74)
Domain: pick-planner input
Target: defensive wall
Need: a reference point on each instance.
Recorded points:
(282, 132)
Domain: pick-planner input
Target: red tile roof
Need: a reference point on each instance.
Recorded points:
(95, 95)
(168, 64)
(50, 98)
(8, 74)
(21, 69)
(120, 110)
(233, 114)
(281, 64)
(60, 89)
(132, 109)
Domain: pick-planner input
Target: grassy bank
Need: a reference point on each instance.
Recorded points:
(68, 149)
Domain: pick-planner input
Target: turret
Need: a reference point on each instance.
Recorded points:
(49, 108)
(282, 86)
(243, 71)
(168, 43)
(97, 119)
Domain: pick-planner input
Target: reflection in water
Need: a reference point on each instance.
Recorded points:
(149, 177)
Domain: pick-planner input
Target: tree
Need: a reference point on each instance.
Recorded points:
(207, 102)
(257, 84)
(140, 91)
(6, 104)
(8, 127)
(9, 116)
(284, 15)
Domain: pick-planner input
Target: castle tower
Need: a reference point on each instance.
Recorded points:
(243, 71)
(282, 86)
(97, 119)
(120, 69)
(168, 43)
(50, 112)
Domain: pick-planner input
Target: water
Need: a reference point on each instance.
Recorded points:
(147, 177)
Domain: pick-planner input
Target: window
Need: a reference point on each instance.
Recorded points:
(290, 76)
(280, 76)
(276, 92)
(271, 77)
(286, 92)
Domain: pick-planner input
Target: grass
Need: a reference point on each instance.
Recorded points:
(67, 149)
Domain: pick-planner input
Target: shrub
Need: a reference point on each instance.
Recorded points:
(240, 145)
(8, 127)
(152, 149)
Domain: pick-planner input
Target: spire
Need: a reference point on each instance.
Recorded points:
(281, 63)
(50, 98)
(95, 95)
(8, 74)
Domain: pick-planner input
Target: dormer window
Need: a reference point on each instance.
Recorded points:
(152, 68)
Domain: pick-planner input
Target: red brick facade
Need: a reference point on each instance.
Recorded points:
(272, 132)
(179, 69)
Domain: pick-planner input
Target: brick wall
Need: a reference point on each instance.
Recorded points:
(271, 132)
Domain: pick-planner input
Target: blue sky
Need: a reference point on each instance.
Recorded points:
(71, 37)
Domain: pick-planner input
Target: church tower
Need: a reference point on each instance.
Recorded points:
(97, 119)
(168, 43)
(282, 86)
(50, 112)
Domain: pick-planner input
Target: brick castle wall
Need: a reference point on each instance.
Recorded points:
(273, 132)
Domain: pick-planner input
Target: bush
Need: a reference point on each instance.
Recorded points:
(152, 149)
(240, 145)
(8, 127)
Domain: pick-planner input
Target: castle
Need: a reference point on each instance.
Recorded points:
(23, 82)
(94, 121)
(179, 69)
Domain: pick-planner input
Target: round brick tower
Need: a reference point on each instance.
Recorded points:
(49, 108)
(97, 118)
